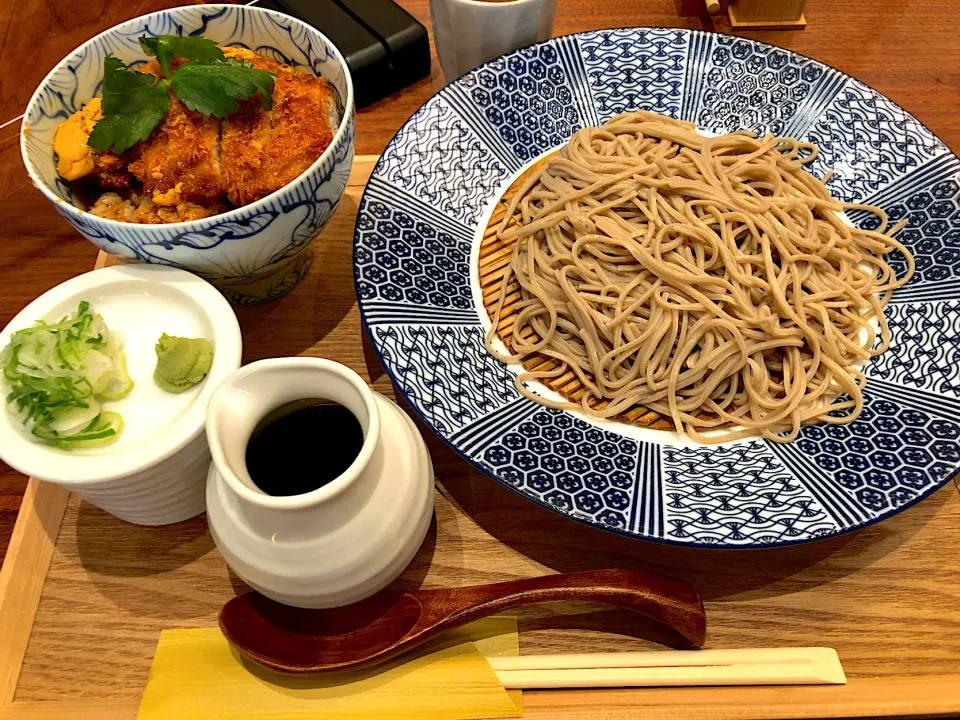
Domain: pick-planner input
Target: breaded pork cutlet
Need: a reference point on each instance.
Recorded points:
(110, 171)
(193, 165)
(263, 150)
(182, 152)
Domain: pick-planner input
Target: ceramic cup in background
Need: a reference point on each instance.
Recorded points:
(347, 539)
(470, 32)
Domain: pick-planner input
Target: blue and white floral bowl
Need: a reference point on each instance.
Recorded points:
(417, 240)
(251, 254)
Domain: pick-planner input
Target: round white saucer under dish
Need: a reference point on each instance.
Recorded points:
(155, 472)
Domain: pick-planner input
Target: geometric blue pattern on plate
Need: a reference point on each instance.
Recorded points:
(737, 495)
(440, 160)
(930, 199)
(868, 141)
(925, 348)
(528, 101)
(630, 69)
(441, 371)
(410, 261)
(747, 85)
(904, 443)
(570, 465)
(833, 478)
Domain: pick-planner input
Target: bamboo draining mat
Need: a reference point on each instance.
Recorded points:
(494, 259)
(92, 593)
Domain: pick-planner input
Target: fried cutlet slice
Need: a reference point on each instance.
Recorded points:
(184, 150)
(110, 171)
(263, 150)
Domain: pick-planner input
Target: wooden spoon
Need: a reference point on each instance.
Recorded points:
(391, 622)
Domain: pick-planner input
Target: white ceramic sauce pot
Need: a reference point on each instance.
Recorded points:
(337, 544)
(470, 32)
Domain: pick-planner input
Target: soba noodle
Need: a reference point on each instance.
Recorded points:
(712, 280)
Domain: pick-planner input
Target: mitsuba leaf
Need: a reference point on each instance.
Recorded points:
(191, 47)
(134, 103)
(214, 88)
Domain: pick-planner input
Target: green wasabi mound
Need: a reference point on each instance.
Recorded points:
(181, 362)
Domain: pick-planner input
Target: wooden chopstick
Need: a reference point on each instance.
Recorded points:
(763, 666)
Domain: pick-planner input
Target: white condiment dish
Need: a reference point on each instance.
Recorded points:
(154, 473)
(337, 544)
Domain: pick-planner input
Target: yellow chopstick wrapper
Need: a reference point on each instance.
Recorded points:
(197, 675)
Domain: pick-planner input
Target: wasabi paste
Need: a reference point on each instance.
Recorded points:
(181, 362)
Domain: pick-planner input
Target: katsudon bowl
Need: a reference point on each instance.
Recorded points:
(255, 252)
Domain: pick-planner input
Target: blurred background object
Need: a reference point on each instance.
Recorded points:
(385, 47)
(767, 14)
(470, 32)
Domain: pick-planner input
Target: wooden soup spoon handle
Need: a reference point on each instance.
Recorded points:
(391, 622)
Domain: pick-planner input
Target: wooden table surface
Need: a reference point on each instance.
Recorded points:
(78, 637)
(907, 50)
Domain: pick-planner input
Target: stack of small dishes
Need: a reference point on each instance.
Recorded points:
(154, 471)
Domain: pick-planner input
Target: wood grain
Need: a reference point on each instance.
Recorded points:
(880, 698)
(934, 695)
(111, 590)
(37, 35)
(905, 60)
(389, 623)
(772, 13)
(22, 579)
(690, 8)
(73, 709)
(885, 597)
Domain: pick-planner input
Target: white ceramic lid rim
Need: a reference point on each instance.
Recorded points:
(228, 346)
(230, 215)
(321, 494)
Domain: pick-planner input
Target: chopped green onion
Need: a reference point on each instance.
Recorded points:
(58, 375)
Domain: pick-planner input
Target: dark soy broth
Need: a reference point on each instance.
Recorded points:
(302, 445)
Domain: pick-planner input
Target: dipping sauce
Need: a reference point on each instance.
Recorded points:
(302, 445)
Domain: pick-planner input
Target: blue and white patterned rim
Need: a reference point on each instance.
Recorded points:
(422, 214)
(255, 252)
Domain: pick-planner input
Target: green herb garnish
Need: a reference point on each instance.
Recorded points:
(58, 376)
(134, 103)
(193, 47)
(214, 88)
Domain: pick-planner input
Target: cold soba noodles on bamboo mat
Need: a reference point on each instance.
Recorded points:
(712, 280)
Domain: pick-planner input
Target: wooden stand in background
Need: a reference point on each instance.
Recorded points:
(695, 8)
(767, 14)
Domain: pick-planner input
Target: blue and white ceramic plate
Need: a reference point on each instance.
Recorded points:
(416, 244)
